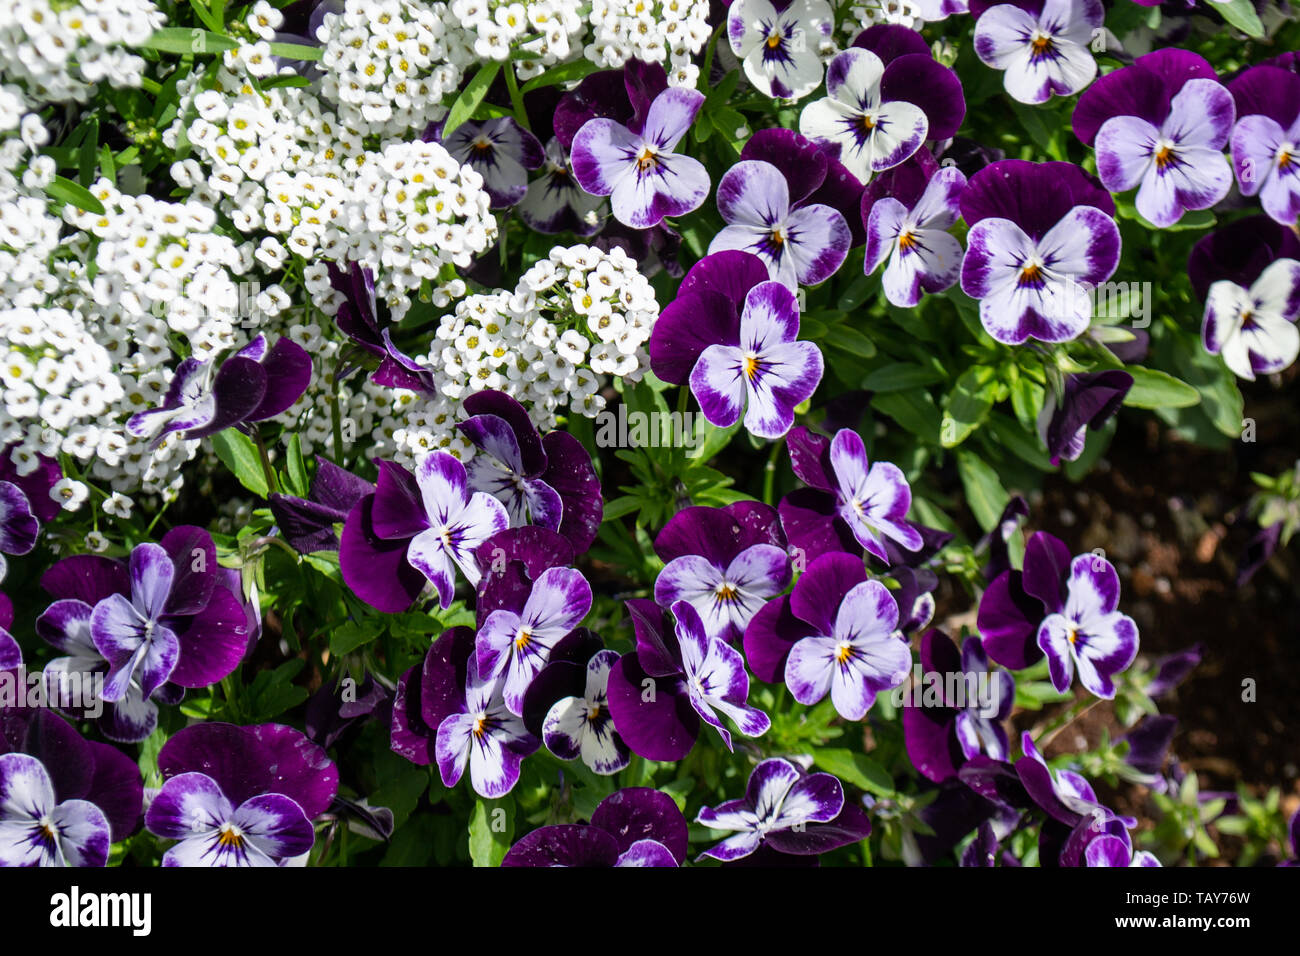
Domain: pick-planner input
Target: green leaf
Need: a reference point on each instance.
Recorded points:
(350, 635)
(297, 51)
(914, 409)
(187, 40)
(1153, 389)
(968, 404)
(297, 469)
(470, 97)
(850, 340)
(1241, 14)
(900, 376)
(238, 453)
(74, 194)
(491, 828)
(855, 768)
(984, 492)
(564, 73)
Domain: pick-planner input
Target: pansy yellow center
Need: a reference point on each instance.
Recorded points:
(778, 237)
(725, 592)
(843, 652)
(523, 639)
(906, 241)
(230, 836)
(47, 830)
(1041, 45)
(868, 122)
(593, 712)
(481, 144)
(774, 39)
(645, 159)
(1285, 157)
(480, 724)
(752, 366)
(1165, 156)
(1031, 273)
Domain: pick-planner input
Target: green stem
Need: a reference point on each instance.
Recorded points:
(336, 417)
(769, 471)
(708, 56)
(516, 98)
(267, 471)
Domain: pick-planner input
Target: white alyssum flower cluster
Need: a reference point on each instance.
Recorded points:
(55, 52)
(492, 27)
(869, 13)
(656, 31)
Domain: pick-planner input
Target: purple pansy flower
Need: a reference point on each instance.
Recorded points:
(18, 524)
(1042, 46)
(499, 150)
(886, 95)
(547, 480)
(1112, 851)
(834, 633)
(1088, 400)
(1088, 632)
(417, 528)
(644, 177)
(910, 233)
(1254, 329)
(778, 43)
(677, 676)
(726, 562)
(1016, 602)
(360, 319)
(264, 830)
(256, 383)
(798, 243)
(555, 203)
(766, 373)
(940, 739)
(1266, 140)
(307, 524)
(582, 727)
(1041, 236)
(1160, 126)
(38, 830)
(337, 706)
(514, 647)
(635, 826)
(474, 728)
(786, 811)
(850, 504)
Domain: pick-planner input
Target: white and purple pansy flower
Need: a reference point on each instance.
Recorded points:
(263, 830)
(240, 796)
(1017, 601)
(804, 245)
(499, 150)
(635, 826)
(256, 383)
(968, 718)
(36, 829)
(1108, 850)
(415, 529)
(1160, 126)
(19, 526)
(547, 480)
(726, 562)
(785, 810)
(1246, 274)
(1042, 236)
(555, 203)
(907, 229)
(885, 96)
(779, 44)
(1266, 140)
(1089, 633)
(581, 726)
(1042, 47)
(851, 504)
(643, 175)
(1088, 400)
(835, 634)
(307, 524)
(516, 646)
(766, 373)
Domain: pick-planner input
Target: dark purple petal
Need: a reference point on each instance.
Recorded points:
(905, 182)
(1008, 620)
(1144, 89)
(238, 389)
(288, 373)
(770, 635)
(810, 457)
(653, 715)
(566, 844)
(917, 79)
(640, 813)
(851, 826)
(489, 402)
(817, 595)
(36, 484)
(1090, 400)
(1035, 196)
(812, 524)
(1149, 742)
(398, 508)
(1047, 566)
(116, 788)
(800, 160)
(1240, 252)
(657, 648)
(299, 768)
(212, 642)
(375, 569)
(194, 557)
(995, 780)
(444, 675)
(719, 534)
(890, 41)
(1267, 91)
(1173, 670)
(86, 577)
(570, 472)
(230, 755)
(688, 325)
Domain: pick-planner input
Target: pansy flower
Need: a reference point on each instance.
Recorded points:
(307, 524)
(635, 826)
(1266, 140)
(499, 150)
(1041, 46)
(547, 480)
(812, 174)
(833, 634)
(726, 562)
(18, 524)
(256, 383)
(885, 96)
(779, 44)
(1112, 851)
(1160, 126)
(1088, 400)
(786, 811)
(417, 528)
(907, 230)
(851, 504)
(36, 829)
(240, 796)
(515, 646)
(676, 677)
(942, 737)
(805, 244)
(766, 373)
(581, 726)
(359, 318)
(1041, 236)
(554, 202)
(1088, 632)
(640, 171)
